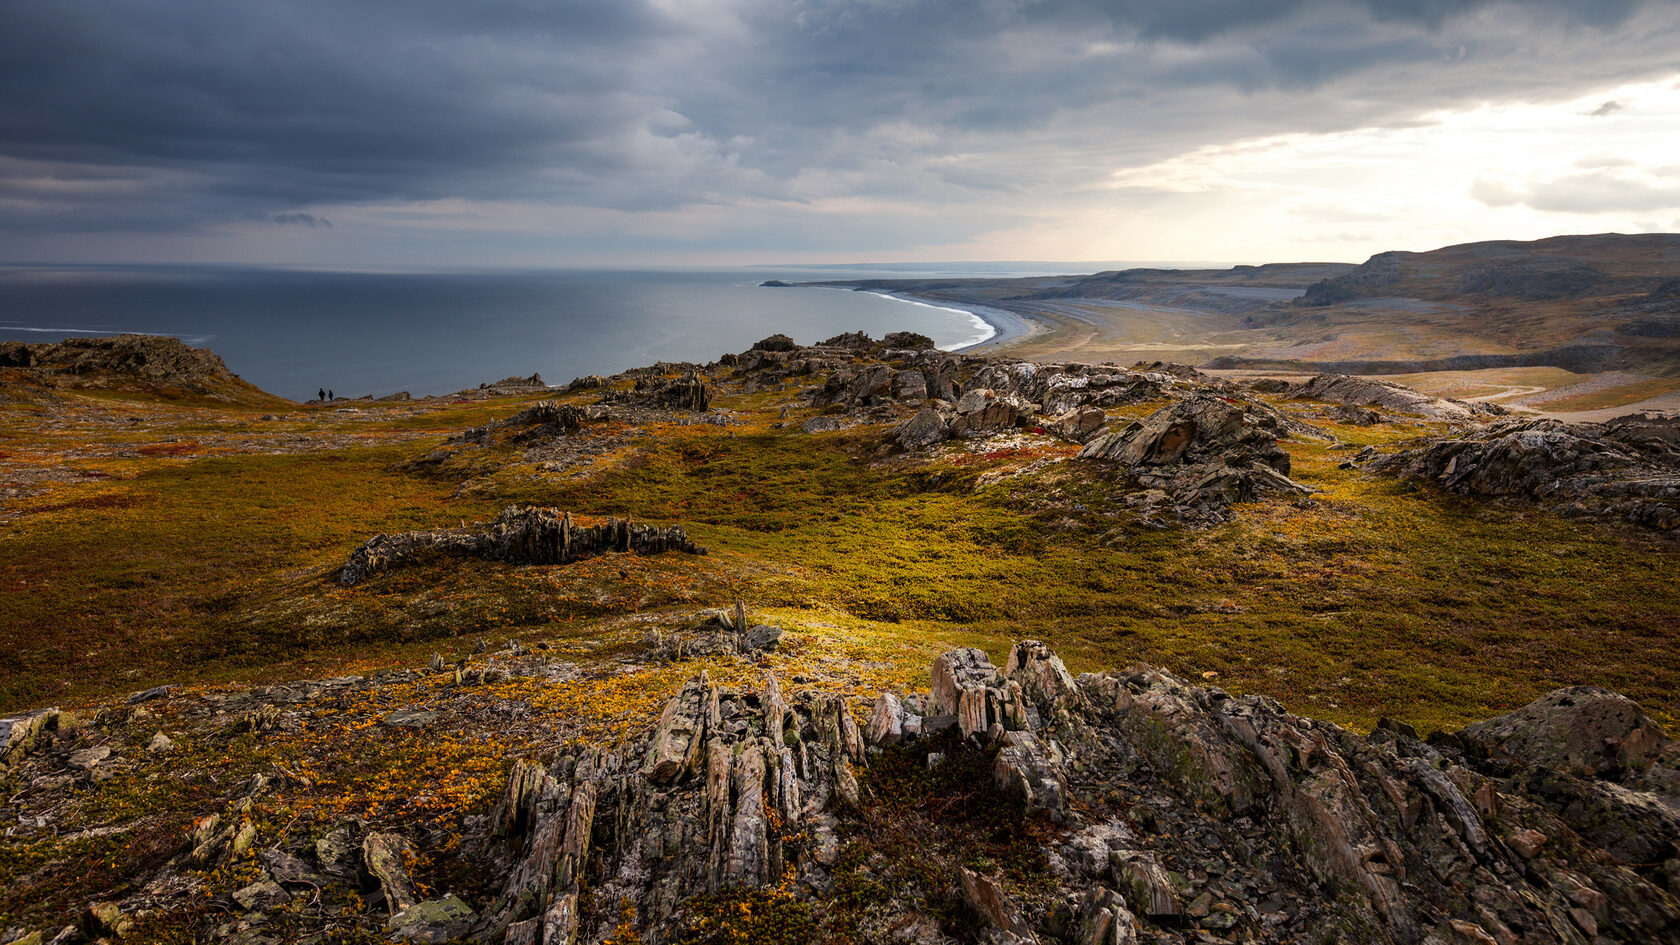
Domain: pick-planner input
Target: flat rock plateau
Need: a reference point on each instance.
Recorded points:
(847, 642)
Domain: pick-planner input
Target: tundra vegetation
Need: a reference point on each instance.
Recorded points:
(246, 746)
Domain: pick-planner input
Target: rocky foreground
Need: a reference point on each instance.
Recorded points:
(1003, 805)
(519, 794)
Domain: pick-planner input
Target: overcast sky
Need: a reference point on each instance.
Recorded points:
(640, 132)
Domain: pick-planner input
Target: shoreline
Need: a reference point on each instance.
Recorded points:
(1006, 327)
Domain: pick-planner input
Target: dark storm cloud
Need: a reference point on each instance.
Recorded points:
(170, 114)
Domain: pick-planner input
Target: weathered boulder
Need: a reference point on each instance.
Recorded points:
(910, 387)
(975, 398)
(21, 734)
(925, 429)
(434, 921)
(1584, 731)
(1080, 426)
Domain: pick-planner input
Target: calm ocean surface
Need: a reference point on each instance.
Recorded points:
(291, 332)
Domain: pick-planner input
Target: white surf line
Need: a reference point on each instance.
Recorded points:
(197, 341)
(72, 331)
(985, 329)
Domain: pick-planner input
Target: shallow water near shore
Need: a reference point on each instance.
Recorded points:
(293, 332)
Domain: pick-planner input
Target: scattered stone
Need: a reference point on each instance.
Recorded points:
(821, 424)
(1527, 843)
(762, 637)
(106, 918)
(411, 718)
(433, 921)
(160, 743)
(86, 759)
(261, 896)
(147, 695)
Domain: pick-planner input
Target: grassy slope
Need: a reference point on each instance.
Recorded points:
(1375, 600)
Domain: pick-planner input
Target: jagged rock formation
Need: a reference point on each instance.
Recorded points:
(1151, 810)
(1200, 456)
(1627, 469)
(729, 789)
(1244, 820)
(545, 418)
(1368, 392)
(520, 535)
(688, 392)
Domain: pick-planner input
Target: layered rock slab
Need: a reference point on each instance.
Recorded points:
(520, 535)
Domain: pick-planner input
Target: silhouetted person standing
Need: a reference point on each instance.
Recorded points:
(330, 394)
(321, 394)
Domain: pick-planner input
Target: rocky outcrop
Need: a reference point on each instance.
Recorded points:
(776, 342)
(149, 363)
(148, 357)
(1247, 820)
(729, 789)
(542, 420)
(1200, 456)
(515, 385)
(687, 392)
(1141, 809)
(1368, 392)
(1627, 469)
(520, 535)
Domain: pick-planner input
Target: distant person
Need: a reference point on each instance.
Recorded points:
(321, 393)
(330, 394)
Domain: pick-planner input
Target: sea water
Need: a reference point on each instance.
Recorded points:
(293, 332)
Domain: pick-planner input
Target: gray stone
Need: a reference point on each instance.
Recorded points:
(147, 695)
(822, 424)
(924, 429)
(432, 921)
(411, 718)
(1583, 730)
(384, 856)
(86, 759)
(261, 896)
(988, 900)
(762, 637)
